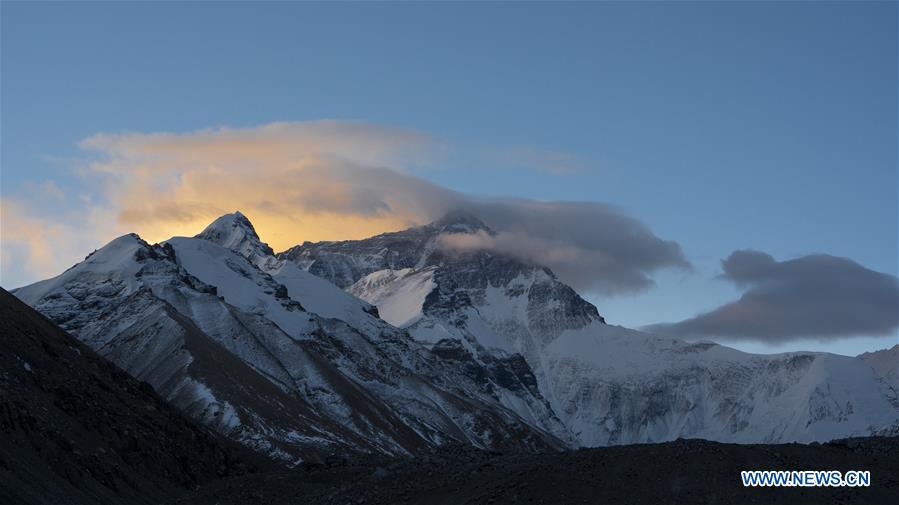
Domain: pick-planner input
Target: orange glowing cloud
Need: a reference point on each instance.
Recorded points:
(318, 180)
(322, 180)
(35, 244)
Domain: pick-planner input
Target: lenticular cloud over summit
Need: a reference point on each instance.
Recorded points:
(333, 180)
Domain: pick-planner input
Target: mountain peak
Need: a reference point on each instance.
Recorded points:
(234, 225)
(460, 221)
(234, 231)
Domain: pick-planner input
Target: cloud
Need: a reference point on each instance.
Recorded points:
(326, 180)
(591, 246)
(357, 142)
(36, 245)
(816, 296)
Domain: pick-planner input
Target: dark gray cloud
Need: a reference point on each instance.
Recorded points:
(592, 246)
(817, 296)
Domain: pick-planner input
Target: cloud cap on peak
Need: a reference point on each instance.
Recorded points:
(591, 246)
(816, 296)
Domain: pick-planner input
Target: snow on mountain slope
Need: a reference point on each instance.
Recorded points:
(885, 363)
(677, 389)
(375, 391)
(114, 264)
(236, 233)
(115, 301)
(500, 381)
(165, 349)
(608, 385)
(323, 298)
(399, 294)
(241, 285)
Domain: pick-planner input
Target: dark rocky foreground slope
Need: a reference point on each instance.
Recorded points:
(680, 472)
(75, 429)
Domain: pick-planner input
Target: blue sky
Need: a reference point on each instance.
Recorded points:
(722, 126)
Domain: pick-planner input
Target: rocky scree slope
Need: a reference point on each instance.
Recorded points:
(690, 472)
(76, 429)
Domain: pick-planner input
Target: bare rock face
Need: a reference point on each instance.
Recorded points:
(74, 428)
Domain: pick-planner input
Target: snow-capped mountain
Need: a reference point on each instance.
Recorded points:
(503, 381)
(399, 342)
(607, 384)
(231, 345)
(133, 304)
